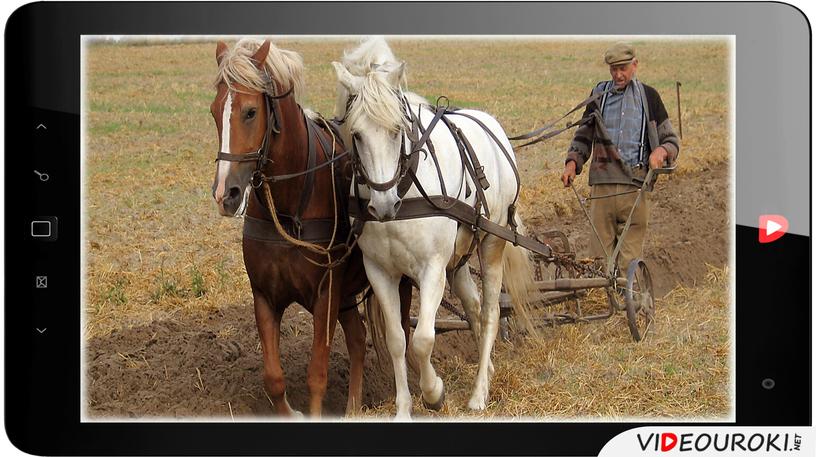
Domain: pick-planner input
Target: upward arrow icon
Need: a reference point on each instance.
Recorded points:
(42, 126)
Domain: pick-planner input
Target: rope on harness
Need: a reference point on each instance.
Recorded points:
(313, 247)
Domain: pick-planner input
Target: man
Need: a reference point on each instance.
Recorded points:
(629, 133)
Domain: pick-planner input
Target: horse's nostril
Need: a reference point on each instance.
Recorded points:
(234, 193)
(397, 206)
(372, 211)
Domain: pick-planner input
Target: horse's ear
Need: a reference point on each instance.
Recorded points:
(396, 76)
(220, 52)
(260, 55)
(346, 79)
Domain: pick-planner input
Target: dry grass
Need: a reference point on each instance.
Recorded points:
(594, 370)
(156, 246)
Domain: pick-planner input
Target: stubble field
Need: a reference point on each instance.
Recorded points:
(169, 326)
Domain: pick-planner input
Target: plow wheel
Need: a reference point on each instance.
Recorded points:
(639, 297)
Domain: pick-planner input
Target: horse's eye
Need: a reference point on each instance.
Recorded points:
(356, 137)
(251, 113)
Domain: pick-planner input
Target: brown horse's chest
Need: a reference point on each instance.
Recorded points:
(281, 273)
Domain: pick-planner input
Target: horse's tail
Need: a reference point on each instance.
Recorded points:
(376, 328)
(517, 278)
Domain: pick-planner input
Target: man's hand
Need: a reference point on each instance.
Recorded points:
(569, 173)
(658, 157)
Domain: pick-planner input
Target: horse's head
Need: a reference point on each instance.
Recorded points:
(376, 123)
(240, 115)
(253, 79)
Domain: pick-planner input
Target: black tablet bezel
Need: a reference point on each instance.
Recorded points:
(773, 322)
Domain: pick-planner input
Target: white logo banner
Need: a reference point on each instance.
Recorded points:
(669, 440)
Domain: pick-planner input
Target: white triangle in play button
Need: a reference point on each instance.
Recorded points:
(772, 227)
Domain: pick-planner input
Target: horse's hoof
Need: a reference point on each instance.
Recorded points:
(476, 405)
(437, 405)
(478, 402)
(402, 418)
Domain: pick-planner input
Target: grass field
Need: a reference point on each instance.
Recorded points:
(157, 249)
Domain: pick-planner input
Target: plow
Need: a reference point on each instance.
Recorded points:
(561, 280)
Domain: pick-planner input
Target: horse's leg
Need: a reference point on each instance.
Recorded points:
(268, 320)
(355, 334)
(325, 315)
(492, 251)
(386, 288)
(431, 288)
(464, 288)
(405, 290)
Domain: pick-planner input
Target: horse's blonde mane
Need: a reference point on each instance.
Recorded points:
(377, 98)
(282, 66)
(371, 52)
(378, 101)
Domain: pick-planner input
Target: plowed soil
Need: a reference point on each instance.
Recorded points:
(209, 365)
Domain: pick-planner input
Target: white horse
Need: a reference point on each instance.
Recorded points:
(424, 249)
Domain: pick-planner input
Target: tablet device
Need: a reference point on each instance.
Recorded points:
(131, 323)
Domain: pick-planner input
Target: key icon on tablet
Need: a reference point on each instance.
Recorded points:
(43, 176)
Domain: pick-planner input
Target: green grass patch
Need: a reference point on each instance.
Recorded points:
(105, 128)
(197, 282)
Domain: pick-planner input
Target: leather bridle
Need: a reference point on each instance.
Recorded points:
(405, 162)
(260, 155)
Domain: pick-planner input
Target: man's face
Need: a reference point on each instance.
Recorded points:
(623, 73)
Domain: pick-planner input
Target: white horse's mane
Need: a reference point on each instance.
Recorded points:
(377, 98)
(284, 67)
(371, 52)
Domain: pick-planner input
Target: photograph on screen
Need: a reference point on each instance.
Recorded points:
(427, 228)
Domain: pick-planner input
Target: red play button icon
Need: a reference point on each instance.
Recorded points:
(772, 227)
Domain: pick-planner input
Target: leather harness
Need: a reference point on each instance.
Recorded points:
(475, 217)
(320, 230)
(313, 230)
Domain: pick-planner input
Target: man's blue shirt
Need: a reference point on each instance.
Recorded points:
(623, 118)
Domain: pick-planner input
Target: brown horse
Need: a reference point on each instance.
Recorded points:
(285, 170)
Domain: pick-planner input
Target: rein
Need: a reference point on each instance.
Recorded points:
(545, 132)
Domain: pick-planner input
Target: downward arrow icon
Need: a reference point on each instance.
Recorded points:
(41, 331)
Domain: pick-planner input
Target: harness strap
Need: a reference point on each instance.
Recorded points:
(232, 157)
(426, 139)
(312, 230)
(422, 207)
(278, 178)
(308, 185)
(417, 145)
(464, 259)
(501, 146)
(471, 163)
(342, 184)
